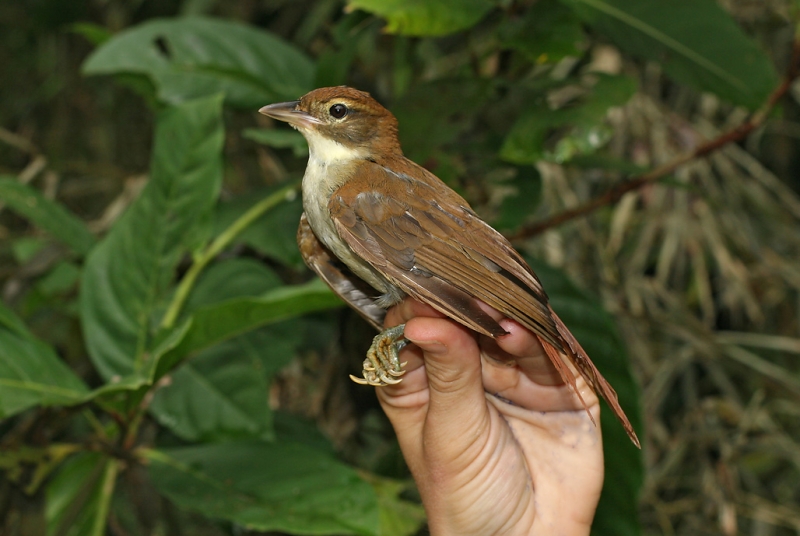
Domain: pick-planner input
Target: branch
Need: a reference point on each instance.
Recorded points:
(733, 135)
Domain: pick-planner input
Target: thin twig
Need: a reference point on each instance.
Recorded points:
(615, 194)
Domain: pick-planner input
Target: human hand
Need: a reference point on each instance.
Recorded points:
(495, 441)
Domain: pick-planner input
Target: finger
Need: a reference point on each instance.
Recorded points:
(412, 391)
(413, 381)
(521, 347)
(452, 357)
(515, 356)
(455, 395)
(528, 353)
(516, 369)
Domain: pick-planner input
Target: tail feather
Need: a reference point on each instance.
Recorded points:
(557, 358)
(580, 358)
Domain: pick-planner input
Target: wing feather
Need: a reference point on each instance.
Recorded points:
(336, 275)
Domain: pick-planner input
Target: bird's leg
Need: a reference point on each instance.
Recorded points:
(382, 365)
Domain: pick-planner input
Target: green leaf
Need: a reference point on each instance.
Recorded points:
(78, 498)
(46, 214)
(583, 129)
(212, 324)
(221, 393)
(12, 323)
(229, 279)
(94, 33)
(696, 41)
(279, 139)
(617, 512)
(124, 393)
(546, 34)
(398, 516)
(191, 57)
(292, 428)
(25, 248)
(282, 486)
(61, 279)
(425, 17)
(31, 373)
(127, 275)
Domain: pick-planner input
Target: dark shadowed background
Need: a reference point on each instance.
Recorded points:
(169, 367)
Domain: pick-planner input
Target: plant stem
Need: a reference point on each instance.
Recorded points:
(106, 494)
(220, 243)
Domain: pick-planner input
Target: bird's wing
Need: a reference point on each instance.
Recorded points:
(336, 275)
(436, 249)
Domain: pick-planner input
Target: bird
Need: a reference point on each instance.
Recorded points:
(377, 227)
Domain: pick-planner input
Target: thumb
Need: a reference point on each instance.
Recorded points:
(452, 363)
(434, 414)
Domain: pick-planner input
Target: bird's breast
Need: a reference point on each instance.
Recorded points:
(320, 182)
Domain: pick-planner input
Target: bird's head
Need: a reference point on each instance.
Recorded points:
(340, 123)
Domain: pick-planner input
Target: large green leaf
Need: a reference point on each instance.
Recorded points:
(229, 279)
(79, 497)
(123, 394)
(221, 393)
(219, 322)
(282, 486)
(46, 214)
(215, 324)
(127, 274)
(398, 516)
(426, 17)
(581, 125)
(289, 427)
(192, 57)
(617, 512)
(696, 41)
(30, 371)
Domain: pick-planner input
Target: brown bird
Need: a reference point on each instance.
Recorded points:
(398, 228)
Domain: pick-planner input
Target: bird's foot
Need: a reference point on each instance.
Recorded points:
(382, 365)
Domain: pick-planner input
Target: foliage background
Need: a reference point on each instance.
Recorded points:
(167, 365)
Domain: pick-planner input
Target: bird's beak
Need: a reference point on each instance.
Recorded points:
(287, 111)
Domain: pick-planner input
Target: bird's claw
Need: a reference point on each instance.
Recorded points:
(382, 365)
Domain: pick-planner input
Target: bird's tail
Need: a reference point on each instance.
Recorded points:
(575, 352)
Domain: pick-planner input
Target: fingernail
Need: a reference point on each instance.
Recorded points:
(508, 325)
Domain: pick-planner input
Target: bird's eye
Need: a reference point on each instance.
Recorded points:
(338, 111)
